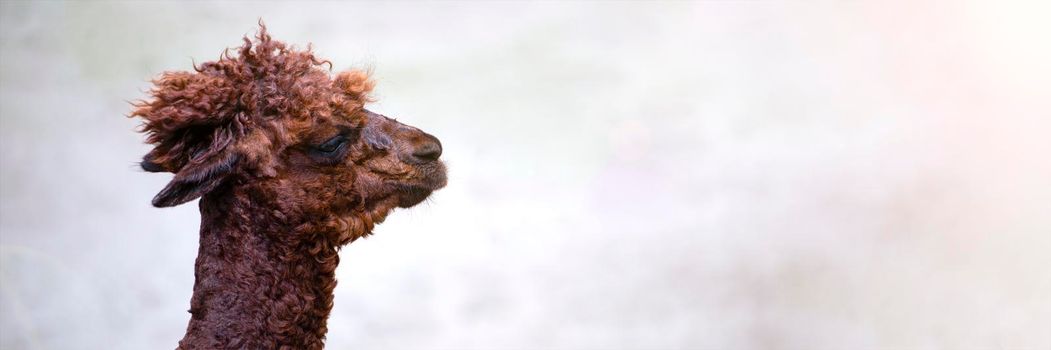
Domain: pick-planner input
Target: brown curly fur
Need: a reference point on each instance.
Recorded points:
(289, 167)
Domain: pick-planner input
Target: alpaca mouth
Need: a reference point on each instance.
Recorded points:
(433, 179)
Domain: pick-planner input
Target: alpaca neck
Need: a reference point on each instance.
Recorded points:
(255, 286)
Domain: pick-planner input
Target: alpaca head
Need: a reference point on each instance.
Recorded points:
(270, 124)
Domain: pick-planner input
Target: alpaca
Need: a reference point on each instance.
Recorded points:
(289, 166)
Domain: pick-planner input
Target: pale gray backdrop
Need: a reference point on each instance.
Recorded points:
(623, 175)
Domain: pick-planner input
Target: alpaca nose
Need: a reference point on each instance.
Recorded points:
(428, 150)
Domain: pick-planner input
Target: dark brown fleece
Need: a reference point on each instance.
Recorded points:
(289, 167)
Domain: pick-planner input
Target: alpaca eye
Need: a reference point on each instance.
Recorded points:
(333, 144)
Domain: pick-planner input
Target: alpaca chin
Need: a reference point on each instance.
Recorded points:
(412, 196)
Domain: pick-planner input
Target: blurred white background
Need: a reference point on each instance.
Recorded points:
(624, 175)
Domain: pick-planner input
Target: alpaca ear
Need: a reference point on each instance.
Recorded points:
(196, 178)
(151, 165)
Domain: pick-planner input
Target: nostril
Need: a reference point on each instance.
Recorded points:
(428, 151)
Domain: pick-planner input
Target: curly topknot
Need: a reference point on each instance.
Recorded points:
(266, 87)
